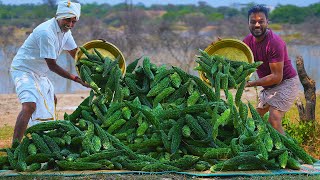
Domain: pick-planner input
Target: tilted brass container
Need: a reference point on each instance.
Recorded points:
(107, 49)
(232, 49)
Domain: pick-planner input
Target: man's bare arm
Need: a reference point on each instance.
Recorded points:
(54, 67)
(274, 78)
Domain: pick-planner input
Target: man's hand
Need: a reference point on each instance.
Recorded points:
(53, 66)
(250, 84)
(78, 80)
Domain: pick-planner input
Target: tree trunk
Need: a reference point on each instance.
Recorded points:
(306, 113)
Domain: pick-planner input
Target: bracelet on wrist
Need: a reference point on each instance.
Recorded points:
(75, 78)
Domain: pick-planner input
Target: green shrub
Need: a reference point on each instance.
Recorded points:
(303, 132)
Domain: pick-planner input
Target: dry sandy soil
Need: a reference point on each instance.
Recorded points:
(10, 106)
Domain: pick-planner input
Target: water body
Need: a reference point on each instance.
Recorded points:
(60, 84)
(310, 55)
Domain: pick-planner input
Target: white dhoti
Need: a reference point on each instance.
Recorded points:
(31, 87)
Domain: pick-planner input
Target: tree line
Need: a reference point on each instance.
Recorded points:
(24, 15)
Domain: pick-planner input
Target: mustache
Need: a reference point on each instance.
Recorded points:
(67, 27)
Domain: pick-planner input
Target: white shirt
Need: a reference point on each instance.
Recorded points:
(46, 41)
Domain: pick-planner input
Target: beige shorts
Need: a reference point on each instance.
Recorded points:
(282, 96)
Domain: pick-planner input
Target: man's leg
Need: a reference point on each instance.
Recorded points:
(262, 111)
(22, 120)
(275, 119)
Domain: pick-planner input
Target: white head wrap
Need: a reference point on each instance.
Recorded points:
(67, 9)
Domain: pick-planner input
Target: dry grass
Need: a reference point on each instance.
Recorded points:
(6, 133)
(275, 27)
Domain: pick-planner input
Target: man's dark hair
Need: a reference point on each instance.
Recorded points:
(259, 8)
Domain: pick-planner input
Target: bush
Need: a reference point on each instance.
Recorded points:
(303, 132)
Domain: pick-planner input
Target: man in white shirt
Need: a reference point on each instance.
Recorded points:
(35, 58)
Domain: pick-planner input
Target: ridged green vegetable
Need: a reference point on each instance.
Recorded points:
(38, 158)
(96, 143)
(186, 131)
(193, 98)
(293, 163)
(116, 125)
(98, 113)
(90, 56)
(51, 144)
(78, 166)
(34, 167)
(176, 135)
(105, 142)
(126, 113)
(283, 159)
(113, 118)
(40, 144)
(159, 87)
(45, 126)
(296, 149)
(195, 127)
(142, 129)
(239, 93)
(175, 80)
(131, 67)
(88, 79)
(217, 153)
(86, 143)
(162, 95)
(147, 68)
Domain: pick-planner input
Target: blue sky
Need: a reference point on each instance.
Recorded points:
(214, 3)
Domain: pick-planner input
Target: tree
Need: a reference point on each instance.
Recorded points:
(196, 21)
(181, 46)
(315, 9)
(8, 48)
(289, 14)
(306, 113)
(233, 27)
(132, 20)
(228, 12)
(309, 30)
(50, 3)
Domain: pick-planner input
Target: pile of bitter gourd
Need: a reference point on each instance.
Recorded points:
(158, 118)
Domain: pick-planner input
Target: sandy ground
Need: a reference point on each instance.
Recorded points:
(10, 106)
